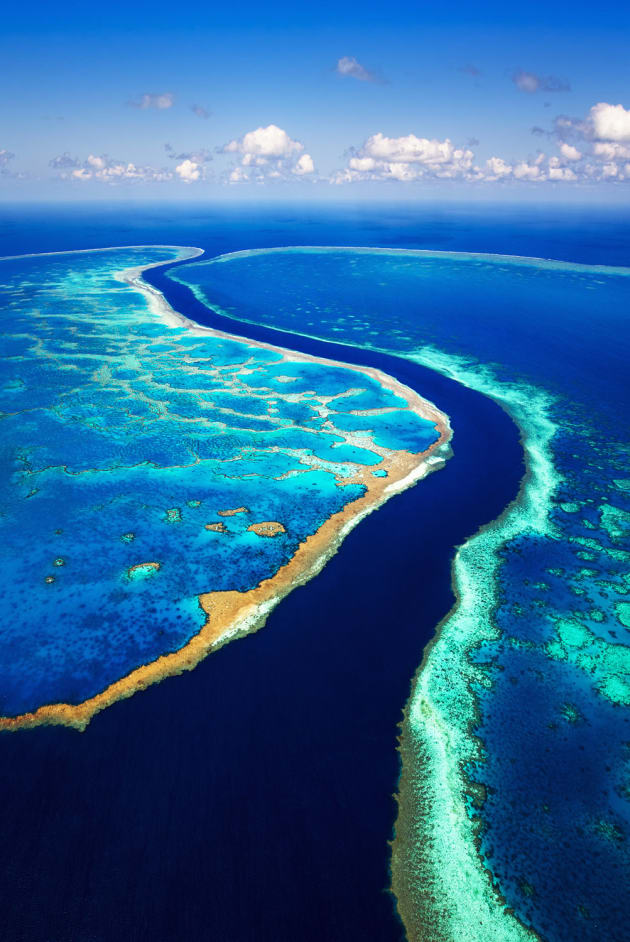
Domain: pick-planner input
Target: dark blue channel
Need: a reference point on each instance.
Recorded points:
(251, 800)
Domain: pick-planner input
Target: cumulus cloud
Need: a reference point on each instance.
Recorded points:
(266, 154)
(498, 168)
(200, 111)
(611, 150)
(188, 171)
(557, 172)
(271, 141)
(597, 146)
(569, 152)
(304, 165)
(406, 158)
(592, 149)
(541, 169)
(610, 122)
(524, 170)
(530, 82)
(107, 170)
(349, 66)
(411, 159)
(238, 175)
(162, 101)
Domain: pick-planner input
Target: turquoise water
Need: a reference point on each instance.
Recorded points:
(520, 713)
(123, 439)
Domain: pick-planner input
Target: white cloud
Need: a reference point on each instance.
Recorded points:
(557, 172)
(406, 158)
(411, 159)
(409, 149)
(304, 165)
(569, 152)
(107, 170)
(604, 139)
(188, 171)
(362, 164)
(349, 66)
(238, 175)
(527, 171)
(498, 168)
(596, 147)
(271, 141)
(609, 150)
(268, 154)
(610, 122)
(162, 101)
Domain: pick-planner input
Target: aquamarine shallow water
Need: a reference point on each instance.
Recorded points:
(122, 439)
(542, 667)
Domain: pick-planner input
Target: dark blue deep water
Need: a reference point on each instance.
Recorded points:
(252, 798)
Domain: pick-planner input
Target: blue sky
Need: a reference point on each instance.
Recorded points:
(358, 100)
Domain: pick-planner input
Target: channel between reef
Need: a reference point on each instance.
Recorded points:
(231, 614)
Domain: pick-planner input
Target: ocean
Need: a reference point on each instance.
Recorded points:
(253, 797)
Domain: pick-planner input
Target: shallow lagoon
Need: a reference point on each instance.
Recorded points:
(123, 441)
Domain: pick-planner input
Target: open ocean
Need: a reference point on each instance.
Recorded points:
(251, 800)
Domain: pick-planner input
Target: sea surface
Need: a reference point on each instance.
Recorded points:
(253, 798)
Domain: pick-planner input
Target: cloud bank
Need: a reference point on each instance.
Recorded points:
(587, 150)
(406, 158)
(591, 150)
(107, 170)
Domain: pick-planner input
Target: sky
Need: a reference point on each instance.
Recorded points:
(354, 100)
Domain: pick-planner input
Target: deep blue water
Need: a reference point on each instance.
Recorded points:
(251, 799)
(578, 234)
